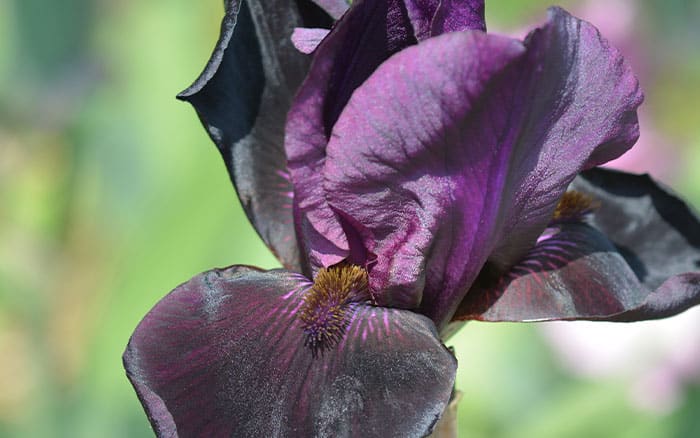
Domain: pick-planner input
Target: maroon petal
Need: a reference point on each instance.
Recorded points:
(456, 151)
(242, 97)
(435, 17)
(365, 36)
(576, 273)
(656, 232)
(224, 355)
(573, 273)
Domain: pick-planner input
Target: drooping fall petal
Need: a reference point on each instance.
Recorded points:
(656, 232)
(648, 268)
(456, 151)
(224, 355)
(242, 97)
(574, 273)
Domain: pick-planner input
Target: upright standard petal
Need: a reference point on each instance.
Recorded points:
(242, 97)
(441, 169)
(435, 17)
(413, 164)
(648, 267)
(365, 36)
(224, 355)
(581, 99)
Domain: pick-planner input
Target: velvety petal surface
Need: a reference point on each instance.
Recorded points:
(224, 355)
(456, 151)
(435, 17)
(242, 97)
(370, 32)
(648, 267)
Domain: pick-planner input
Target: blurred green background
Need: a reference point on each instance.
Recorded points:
(111, 194)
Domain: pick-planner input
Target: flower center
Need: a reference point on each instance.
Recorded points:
(329, 304)
(573, 206)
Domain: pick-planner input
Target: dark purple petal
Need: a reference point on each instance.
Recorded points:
(572, 273)
(580, 111)
(411, 163)
(576, 273)
(224, 355)
(365, 36)
(656, 232)
(242, 97)
(335, 8)
(456, 151)
(307, 39)
(435, 17)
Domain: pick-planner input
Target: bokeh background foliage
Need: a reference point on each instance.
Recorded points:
(111, 195)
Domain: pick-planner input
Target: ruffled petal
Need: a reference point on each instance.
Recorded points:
(435, 17)
(365, 36)
(656, 232)
(242, 97)
(456, 151)
(647, 268)
(224, 355)
(572, 273)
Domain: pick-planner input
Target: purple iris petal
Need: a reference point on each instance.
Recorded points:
(647, 269)
(574, 273)
(656, 232)
(242, 97)
(456, 151)
(224, 355)
(364, 37)
(435, 17)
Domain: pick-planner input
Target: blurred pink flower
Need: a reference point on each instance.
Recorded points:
(657, 358)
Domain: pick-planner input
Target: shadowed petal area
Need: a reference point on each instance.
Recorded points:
(572, 273)
(242, 97)
(224, 355)
(656, 232)
(576, 274)
(441, 169)
(365, 36)
(435, 17)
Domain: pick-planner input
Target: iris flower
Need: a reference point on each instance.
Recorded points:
(412, 173)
